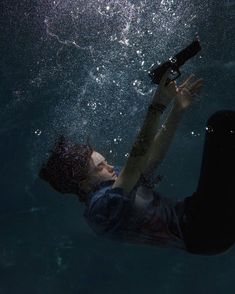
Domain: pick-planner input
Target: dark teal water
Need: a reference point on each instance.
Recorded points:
(80, 68)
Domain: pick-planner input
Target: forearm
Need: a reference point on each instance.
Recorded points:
(163, 139)
(148, 130)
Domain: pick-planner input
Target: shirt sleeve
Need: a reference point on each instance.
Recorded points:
(109, 211)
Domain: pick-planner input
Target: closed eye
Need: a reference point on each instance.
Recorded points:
(100, 166)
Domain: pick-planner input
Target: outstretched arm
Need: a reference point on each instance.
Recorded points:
(162, 140)
(186, 93)
(148, 151)
(136, 161)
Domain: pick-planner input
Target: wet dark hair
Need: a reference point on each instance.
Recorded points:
(67, 166)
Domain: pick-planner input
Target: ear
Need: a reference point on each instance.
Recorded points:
(89, 183)
(85, 184)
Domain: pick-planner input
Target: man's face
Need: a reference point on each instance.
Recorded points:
(100, 170)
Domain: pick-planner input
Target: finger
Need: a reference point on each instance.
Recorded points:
(172, 85)
(196, 92)
(164, 78)
(197, 85)
(187, 81)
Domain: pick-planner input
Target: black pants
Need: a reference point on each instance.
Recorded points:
(208, 219)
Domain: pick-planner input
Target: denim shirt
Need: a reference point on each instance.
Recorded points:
(151, 220)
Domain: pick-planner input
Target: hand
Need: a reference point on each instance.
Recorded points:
(188, 92)
(165, 93)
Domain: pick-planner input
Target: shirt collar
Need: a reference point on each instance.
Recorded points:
(99, 187)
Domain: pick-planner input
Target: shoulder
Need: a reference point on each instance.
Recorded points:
(106, 209)
(106, 197)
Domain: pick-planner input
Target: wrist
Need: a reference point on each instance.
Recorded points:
(160, 98)
(156, 107)
(177, 107)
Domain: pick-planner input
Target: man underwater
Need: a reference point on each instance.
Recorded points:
(123, 204)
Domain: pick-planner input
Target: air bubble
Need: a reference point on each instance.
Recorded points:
(209, 129)
(38, 132)
(117, 140)
(195, 134)
(93, 105)
(113, 38)
(124, 42)
(84, 122)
